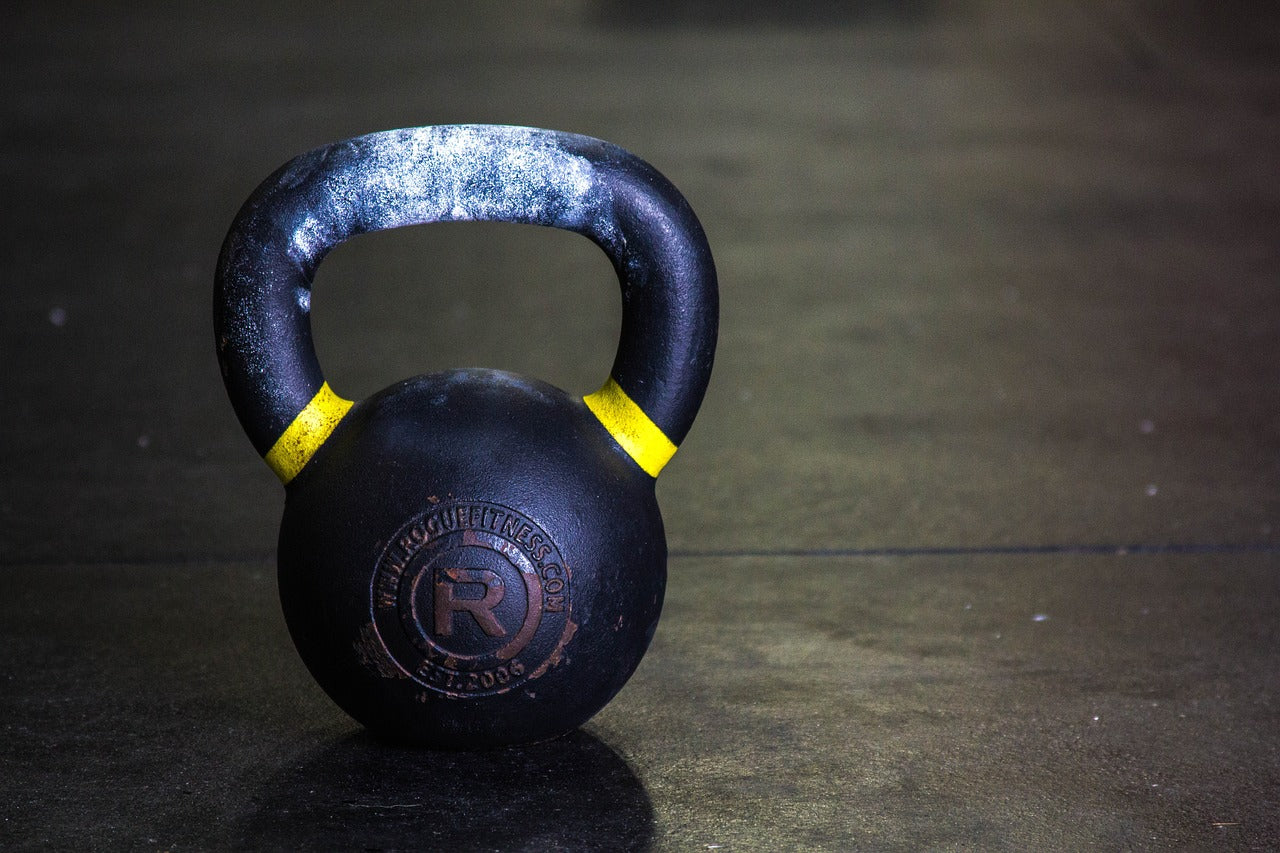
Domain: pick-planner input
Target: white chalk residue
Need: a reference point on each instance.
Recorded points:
(308, 238)
(466, 172)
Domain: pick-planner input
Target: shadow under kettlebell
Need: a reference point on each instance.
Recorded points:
(572, 793)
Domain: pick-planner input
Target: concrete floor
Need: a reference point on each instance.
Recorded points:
(974, 545)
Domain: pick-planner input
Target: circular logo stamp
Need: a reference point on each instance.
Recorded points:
(471, 598)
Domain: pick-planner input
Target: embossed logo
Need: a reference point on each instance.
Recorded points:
(472, 598)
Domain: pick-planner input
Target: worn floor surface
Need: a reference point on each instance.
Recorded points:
(976, 544)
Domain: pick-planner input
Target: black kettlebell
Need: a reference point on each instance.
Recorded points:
(470, 558)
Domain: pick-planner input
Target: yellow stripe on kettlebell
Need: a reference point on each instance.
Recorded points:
(631, 427)
(310, 429)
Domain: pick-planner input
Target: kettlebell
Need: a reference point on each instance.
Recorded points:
(468, 559)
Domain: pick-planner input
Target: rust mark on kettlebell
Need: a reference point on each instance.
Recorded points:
(369, 651)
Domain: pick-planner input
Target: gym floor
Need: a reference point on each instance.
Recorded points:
(976, 541)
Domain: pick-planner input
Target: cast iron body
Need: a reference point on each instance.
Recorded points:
(470, 558)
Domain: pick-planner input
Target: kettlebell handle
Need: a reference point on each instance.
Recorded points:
(404, 177)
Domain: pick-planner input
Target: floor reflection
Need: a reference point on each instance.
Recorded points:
(358, 793)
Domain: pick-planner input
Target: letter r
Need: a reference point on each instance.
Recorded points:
(481, 609)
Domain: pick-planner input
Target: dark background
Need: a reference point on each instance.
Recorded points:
(975, 542)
